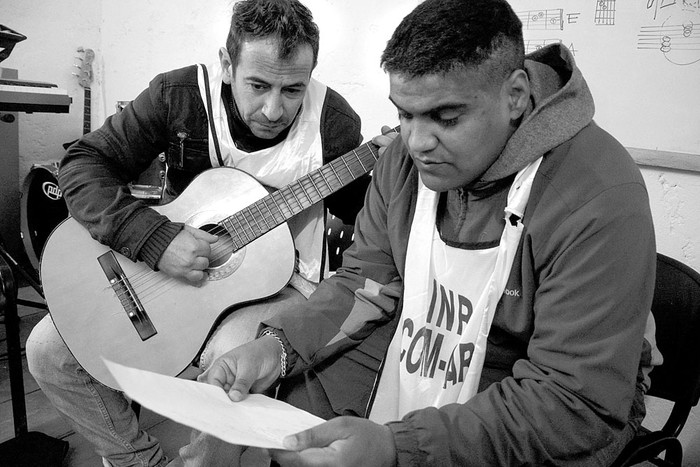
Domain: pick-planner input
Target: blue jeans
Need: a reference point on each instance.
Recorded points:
(104, 416)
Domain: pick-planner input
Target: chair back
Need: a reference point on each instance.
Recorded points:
(339, 237)
(676, 309)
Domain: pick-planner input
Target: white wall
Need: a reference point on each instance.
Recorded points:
(54, 30)
(134, 40)
(155, 41)
(675, 199)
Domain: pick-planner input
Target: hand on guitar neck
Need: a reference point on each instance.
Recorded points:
(388, 135)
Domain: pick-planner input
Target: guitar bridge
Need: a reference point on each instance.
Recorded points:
(127, 296)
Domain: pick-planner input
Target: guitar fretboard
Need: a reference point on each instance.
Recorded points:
(86, 111)
(278, 207)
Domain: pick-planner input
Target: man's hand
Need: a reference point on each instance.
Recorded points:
(342, 441)
(388, 135)
(251, 367)
(188, 255)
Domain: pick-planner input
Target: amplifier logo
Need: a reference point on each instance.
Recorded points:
(51, 190)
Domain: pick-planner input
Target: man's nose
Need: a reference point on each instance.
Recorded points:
(420, 137)
(273, 108)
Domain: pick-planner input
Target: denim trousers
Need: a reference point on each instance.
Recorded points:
(104, 416)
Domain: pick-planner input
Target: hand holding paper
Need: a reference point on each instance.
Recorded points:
(255, 421)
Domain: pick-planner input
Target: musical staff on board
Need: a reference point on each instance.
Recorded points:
(639, 58)
(680, 43)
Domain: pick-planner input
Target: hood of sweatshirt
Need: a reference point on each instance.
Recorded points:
(560, 106)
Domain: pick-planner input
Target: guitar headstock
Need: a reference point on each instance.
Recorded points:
(85, 67)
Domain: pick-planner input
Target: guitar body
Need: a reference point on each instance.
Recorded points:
(93, 320)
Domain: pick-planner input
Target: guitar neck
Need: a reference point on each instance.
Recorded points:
(86, 111)
(276, 208)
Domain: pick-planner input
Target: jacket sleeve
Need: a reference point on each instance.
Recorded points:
(95, 171)
(569, 401)
(362, 296)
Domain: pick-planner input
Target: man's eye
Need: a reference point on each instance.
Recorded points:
(446, 118)
(293, 91)
(448, 121)
(405, 116)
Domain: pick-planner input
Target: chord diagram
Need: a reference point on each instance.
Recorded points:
(605, 12)
(542, 20)
(533, 45)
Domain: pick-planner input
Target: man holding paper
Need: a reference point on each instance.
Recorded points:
(502, 271)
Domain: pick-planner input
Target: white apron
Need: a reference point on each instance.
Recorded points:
(300, 153)
(450, 296)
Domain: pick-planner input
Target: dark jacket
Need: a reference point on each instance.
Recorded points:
(169, 117)
(561, 383)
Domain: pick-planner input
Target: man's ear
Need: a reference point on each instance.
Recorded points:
(226, 65)
(518, 89)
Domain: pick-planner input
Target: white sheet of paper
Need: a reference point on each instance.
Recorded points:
(257, 420)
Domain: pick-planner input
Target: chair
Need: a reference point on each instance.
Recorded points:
(676, 309)
(339, 236)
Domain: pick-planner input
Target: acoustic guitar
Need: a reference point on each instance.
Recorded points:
(105, 305)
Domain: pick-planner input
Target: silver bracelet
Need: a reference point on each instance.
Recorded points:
(283, 357)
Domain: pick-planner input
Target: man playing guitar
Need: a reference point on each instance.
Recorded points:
(259, 110)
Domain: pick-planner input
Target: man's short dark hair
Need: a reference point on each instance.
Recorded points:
(288, 21)
(439, 36)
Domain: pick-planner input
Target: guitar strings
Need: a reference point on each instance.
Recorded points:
(150, 284)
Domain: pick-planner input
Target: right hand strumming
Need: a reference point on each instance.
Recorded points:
(187, 256)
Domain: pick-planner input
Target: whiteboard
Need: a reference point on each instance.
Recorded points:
(641, 60)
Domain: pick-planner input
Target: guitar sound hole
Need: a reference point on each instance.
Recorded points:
(222, 249)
